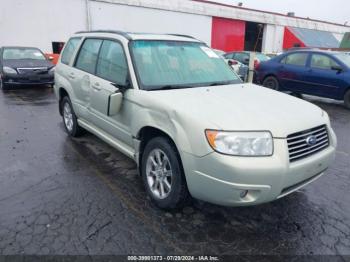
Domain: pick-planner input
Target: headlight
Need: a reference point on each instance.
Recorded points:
(241, 143)
(9, 70)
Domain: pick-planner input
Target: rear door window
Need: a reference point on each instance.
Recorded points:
(111, 64)
(87, 57)
(69, 50)
(297, 59)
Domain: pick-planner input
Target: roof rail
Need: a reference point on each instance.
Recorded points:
(107, 31)
(187, 36)
(126, 35)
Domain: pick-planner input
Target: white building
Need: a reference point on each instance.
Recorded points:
(46, 23)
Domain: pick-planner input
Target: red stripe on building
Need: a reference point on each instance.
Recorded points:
(227, 34)
(291, 40)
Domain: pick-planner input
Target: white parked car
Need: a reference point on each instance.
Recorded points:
(194, 129)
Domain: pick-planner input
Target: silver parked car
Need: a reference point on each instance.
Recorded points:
(194, 129)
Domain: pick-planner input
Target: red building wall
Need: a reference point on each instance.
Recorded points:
(228, 34)
(290, 40)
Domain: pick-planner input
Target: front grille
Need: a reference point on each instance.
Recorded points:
(299, 147)
(36, 70)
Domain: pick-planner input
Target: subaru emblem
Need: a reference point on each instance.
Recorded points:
(311, 140)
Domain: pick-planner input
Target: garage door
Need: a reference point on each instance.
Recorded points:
(228, 34)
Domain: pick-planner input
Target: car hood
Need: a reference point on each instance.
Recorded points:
(243, 107)
(27, 63)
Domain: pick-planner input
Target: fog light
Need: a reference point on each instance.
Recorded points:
(243, 193)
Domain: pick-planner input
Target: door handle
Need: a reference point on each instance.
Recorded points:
(96, 86)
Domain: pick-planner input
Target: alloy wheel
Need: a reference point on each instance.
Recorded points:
(68, 116)
(159, 174)
(271, 83)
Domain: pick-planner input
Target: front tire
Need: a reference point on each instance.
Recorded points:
(271, 82)
(163, 175)
(347, 99)
(70, 120)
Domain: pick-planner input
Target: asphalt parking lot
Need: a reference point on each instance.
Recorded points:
(79, 196)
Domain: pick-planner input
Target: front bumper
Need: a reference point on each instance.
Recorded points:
(221, 179)
(28, 79)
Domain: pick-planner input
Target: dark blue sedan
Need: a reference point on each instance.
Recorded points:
(313, 72)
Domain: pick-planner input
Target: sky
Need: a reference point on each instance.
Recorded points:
(330, 10)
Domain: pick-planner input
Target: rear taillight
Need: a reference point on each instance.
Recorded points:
(256, 64)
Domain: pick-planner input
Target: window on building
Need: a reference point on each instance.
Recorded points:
(87, 57)
(298, 59)
(69, 50)
(111, 64)
(322, 62)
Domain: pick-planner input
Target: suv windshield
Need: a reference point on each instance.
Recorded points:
(22, 53)
(174, 64)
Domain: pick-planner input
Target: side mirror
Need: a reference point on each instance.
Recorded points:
(51, 58)
(115, 103)
(337, 68)
(115, 100)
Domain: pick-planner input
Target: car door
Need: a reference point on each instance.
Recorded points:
(324, 77)
(65, 72)
(80, 75)
(291, 72)
(111, 74)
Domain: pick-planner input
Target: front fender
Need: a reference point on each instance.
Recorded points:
(187, 135)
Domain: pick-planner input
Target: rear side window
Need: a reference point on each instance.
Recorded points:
(111, 64)
(322, 62)
(298, 59)
(88, 54)
(69, 50)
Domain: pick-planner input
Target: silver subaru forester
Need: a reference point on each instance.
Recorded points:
(194, 129)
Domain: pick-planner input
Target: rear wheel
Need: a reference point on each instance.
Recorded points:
(271, 82)
(162, 174)
(347, 99)
(69, 118)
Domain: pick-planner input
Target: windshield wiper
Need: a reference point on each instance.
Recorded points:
(170, 87)
(221, 83)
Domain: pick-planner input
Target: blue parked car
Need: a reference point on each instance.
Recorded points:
(313, 72)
